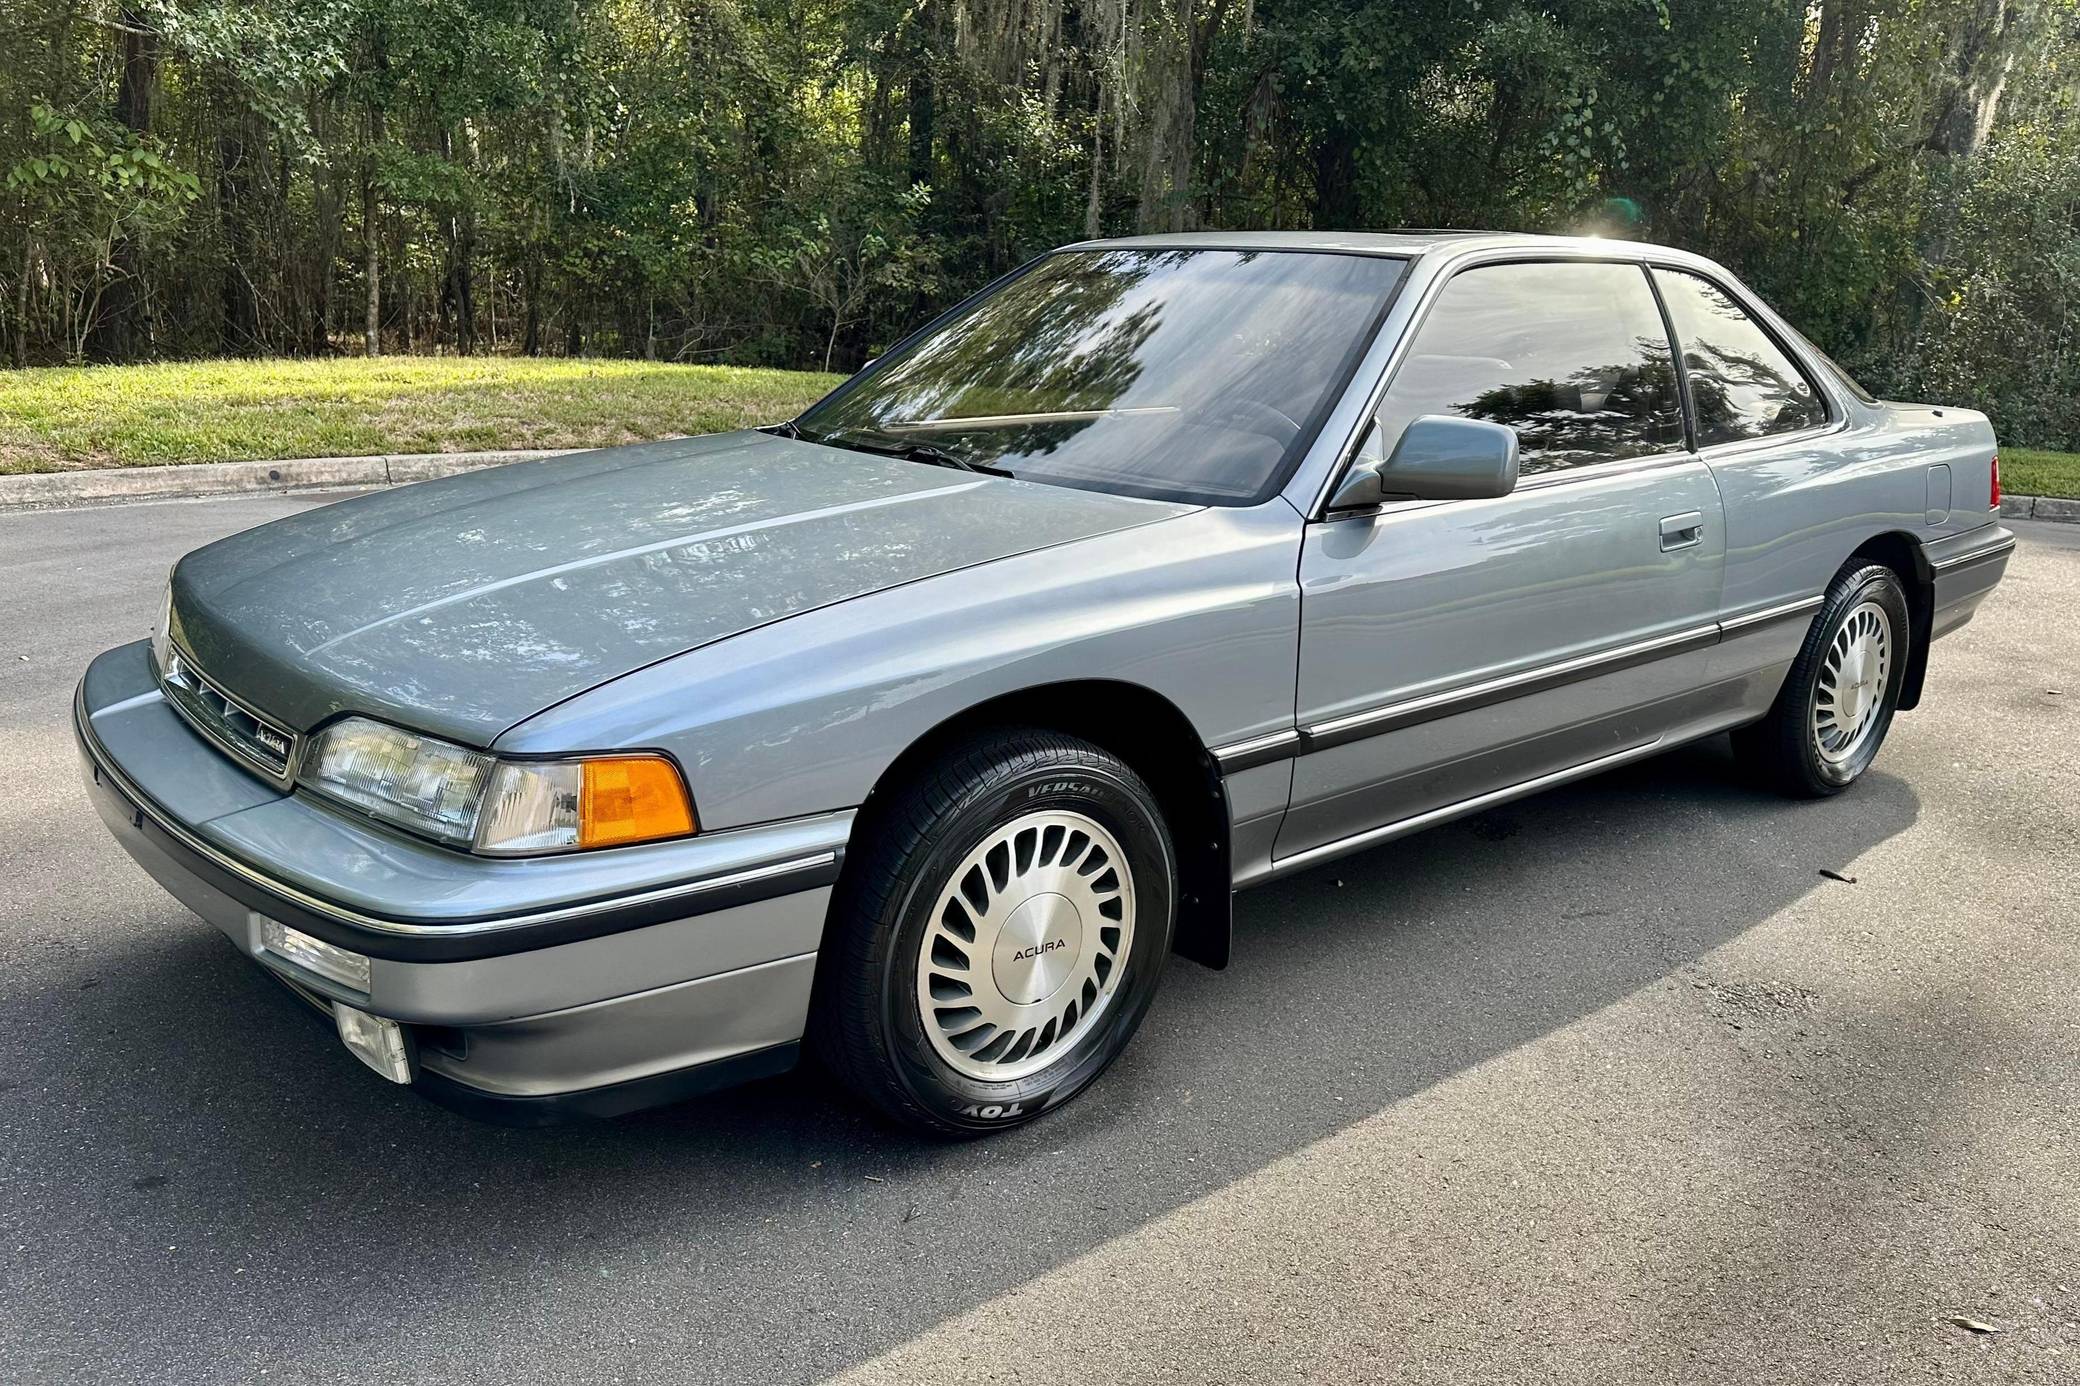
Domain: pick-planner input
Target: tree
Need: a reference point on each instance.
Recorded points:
(796, 181)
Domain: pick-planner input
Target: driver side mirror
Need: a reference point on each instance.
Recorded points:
(1438, 457)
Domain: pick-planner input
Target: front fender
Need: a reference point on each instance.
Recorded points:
(806, 714)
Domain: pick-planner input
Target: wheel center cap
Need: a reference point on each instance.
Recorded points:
(1859, 673)
(1037, 949)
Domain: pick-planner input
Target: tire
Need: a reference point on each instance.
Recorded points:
(978, 881)
(1820, 735)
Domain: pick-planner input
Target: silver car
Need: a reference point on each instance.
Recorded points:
(920, 731)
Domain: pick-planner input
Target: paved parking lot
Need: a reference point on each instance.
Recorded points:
(1609, 1084)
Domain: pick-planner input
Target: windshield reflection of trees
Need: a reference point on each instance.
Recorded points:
(1594, 414)
(1056, 341)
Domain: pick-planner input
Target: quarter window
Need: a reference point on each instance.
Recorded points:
(1742, 385)
(1572, 355)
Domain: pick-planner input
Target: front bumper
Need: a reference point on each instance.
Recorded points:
(602, 983)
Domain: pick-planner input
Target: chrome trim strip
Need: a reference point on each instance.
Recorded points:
(1996, 549)
(814, 862)
(1597, 471)
(1741, 447)
(1743, 624)
(1258, 750)
(1281, 866)
(1431, 706)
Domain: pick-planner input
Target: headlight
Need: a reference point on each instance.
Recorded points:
(416, 782)
(477, 802)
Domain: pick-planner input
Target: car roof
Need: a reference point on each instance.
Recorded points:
(1400, 243)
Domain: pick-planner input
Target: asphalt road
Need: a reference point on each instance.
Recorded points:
(1612, 1084)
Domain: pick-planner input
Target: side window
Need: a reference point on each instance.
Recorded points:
(1573, 356)
(1741, 383)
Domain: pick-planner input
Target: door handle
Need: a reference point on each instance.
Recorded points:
(1682, 531)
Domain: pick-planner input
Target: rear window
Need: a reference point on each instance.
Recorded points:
(1834, 368)
(1742, 385)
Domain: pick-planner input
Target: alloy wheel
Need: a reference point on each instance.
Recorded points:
(1026, 945)
(1853, 683)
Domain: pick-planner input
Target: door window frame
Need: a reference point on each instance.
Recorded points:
(1644, 261)
(1837, 415)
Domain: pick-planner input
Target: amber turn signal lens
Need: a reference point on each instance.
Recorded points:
(632, 799)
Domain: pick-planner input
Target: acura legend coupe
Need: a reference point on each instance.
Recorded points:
(917, 732)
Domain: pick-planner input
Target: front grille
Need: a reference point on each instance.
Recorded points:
(263, 745)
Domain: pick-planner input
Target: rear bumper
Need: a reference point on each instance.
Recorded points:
(550, 1008)
(1964, 568)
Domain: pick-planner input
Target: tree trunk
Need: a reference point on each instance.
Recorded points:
(329, 207)
(119, 331)
(1336, 182)
(236, 207)
(21, 304)
(459, 294)
(1981, 55)
(1179, 58)
(372, 261)
(1973, 79)
(371, 204)
(1092, 206)
(531, 285)
(923, 96)
(1166, 157)
(1833, 44)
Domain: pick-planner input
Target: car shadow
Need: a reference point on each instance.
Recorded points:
(205, 1170)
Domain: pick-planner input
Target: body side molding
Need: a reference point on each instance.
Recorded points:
(1409, 712)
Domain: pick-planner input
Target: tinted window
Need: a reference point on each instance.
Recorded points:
(1177, 374)
(1833, 367)
(1574, 357)
(1741, 384)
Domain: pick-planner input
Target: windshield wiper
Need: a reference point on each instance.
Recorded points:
(895, 447)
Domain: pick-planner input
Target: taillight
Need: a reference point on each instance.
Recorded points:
(1994, 503)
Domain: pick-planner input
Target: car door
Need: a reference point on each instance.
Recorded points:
(1763, 425)
(1454, 649)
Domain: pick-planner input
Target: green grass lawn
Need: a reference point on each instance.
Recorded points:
(58, 419)
(2027, 472)
(63, 418)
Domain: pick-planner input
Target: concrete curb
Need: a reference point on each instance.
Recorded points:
(49, 490)
(2041, 508)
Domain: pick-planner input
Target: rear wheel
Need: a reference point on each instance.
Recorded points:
(999, 934)
(1837, 703)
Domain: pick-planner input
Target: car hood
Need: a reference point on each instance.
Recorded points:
(465, 605)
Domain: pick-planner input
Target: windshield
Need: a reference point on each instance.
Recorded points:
(1192, 375)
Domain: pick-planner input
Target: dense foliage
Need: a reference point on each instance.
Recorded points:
(792, 182)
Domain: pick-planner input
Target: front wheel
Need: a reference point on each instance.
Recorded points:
(1837, 702)
(999, 934)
